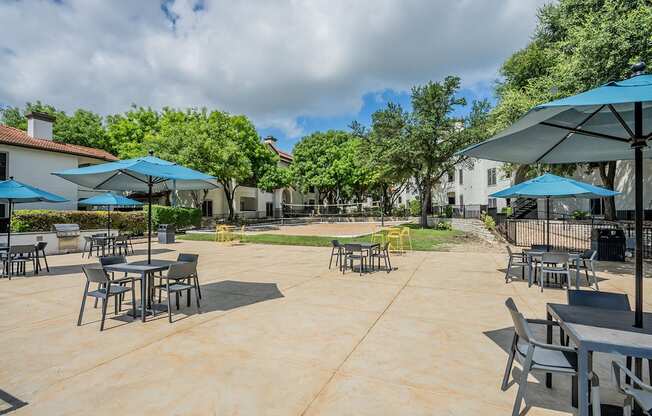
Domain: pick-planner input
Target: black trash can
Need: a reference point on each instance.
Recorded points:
(166, 233)
(609, 243)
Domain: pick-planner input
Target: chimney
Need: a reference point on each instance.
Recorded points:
(270, 140)
(39, 125)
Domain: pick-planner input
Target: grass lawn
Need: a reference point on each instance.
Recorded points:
(422, 239)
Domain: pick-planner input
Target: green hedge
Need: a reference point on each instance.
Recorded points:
(43, 220)
(179, 216)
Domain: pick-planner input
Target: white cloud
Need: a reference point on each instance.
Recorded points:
(272, 61)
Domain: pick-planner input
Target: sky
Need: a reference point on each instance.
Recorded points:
(292, 66)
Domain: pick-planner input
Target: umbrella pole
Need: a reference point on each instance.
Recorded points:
(639, 143)
(547, 223)
(149, 221)
(108, 221)
(9, 226)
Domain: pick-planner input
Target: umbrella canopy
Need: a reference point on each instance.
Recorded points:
(147, 173)
(137, 175)
(553, 186)
(110, 199)
(14, 192)
(602, 124)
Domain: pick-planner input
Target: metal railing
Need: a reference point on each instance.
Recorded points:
(459, 211)
(566, 234)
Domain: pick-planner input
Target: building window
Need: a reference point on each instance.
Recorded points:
(508, 173)
(491, 203)
(451, 176)
(451, 198)
(207, 208)
(248, 203)
(311, 189)
(491, 176)
(461, 175)
(462, 200)
(269, 209)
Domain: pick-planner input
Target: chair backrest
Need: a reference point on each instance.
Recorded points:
(120, 238)
(521, 327)
(538, 247)
(181, 270)
(595, 299)
(589, 254)
(335, 243)
(509, 251)
(405, 231)
(41, 245)
(558, 258)
(95, 274)
(386, 246)
(188, 257)
(99, 235)
(108, 260)
(22, 249)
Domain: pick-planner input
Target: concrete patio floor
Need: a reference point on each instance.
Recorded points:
(280, 334)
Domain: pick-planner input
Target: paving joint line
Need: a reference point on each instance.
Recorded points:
(355, 347)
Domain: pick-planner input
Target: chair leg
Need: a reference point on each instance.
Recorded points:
(595, 279)
(188, 293)
(509, 266)
(198, 286)
(197, 295)
(83, 304)
(45, 259)
(330, 263)
(169, 306)
(105, 301)
(627, 406)
(176, 296)
(510, 363)
(522, 386)
(116, 301)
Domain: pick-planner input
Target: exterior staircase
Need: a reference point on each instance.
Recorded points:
(524, 208)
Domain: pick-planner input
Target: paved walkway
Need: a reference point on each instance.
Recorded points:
(280, 334)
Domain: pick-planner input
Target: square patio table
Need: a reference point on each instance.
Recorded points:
(600, 330)
(538, 254)
(145, 270)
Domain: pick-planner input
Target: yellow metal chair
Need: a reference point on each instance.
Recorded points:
(405, 234)
(222, 234)
(377, 236)
(395, 240)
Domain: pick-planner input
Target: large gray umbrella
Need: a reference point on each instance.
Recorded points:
(602, 124)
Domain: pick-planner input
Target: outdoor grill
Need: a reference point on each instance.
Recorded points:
(68, 235)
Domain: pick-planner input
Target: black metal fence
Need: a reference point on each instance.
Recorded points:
(567, 235)
(459, 211)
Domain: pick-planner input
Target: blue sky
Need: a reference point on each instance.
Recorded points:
(371, 102)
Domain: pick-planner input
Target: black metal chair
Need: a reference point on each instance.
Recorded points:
(19, 255)
(190, 258)
(40, 254)
(383, 253)
(603, 300)
(106, 289)
(354, 252)
(174, 278)
(122, 281)
(515, 260)
(336, 252)
(587, 262)
(121, 245)
(537, 356)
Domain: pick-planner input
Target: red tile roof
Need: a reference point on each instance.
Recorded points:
(15, 137)
(284, 156)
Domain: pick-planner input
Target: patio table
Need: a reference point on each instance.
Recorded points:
(536, 255)
(145, 270)
(600, 330)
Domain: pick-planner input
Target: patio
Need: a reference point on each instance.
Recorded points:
(280, 334)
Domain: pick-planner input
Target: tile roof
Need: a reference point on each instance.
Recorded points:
(15, 137)
(283, 155)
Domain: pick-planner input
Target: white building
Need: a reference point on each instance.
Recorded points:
(31, 157)
(254, 203)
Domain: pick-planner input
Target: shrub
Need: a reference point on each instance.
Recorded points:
(489, 222)
(43, 220)
(507, 211)
(179, 216)
(448, 211)
(444, 226)
(580, 215)
(415, 207)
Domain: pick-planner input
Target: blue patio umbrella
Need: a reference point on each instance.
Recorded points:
(146, 174)
(551, 186)
(602, 124)
(109, 200)
(14, 192)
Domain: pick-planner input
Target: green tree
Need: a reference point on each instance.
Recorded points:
(128, 132)
(323, 160)
(578, 45)
(83, 128)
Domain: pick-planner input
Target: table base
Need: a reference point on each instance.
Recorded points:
(158, 307)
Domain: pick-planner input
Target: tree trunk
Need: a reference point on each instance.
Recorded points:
(229, 193)
(608, 177)
(521, 174)
(425, 195)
